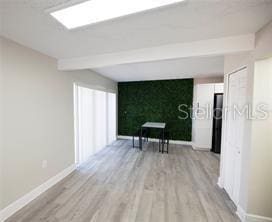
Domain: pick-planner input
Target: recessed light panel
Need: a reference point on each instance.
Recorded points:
(95, 11)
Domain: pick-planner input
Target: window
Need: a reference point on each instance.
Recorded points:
(95, 121)
(111, 117)
(100, 117)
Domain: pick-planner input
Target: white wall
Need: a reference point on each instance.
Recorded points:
(263, 42)
(250, 180)
(260, 178)
(259, 202)
(1, 125)
(38, 118)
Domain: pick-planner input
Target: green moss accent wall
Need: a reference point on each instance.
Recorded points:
(155, 101)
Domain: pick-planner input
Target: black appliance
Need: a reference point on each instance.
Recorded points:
(217, 123)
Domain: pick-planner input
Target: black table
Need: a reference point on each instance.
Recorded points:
(154, 125)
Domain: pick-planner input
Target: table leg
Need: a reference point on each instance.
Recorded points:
(140, 139)
(159, 144)
(162, 140)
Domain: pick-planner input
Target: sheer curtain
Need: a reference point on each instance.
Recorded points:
(95, 121)
(85, 123)
(111, 117)
(100, 125)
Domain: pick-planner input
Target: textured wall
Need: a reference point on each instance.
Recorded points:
(158, 101)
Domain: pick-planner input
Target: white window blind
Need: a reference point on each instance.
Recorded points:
(111, 117)
(100, 126)
(95, 121)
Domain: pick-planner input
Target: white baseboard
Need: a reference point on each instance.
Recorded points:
(201, 148)
(220, 183)
(23, 201)
(125, 137)
(244, 217)
(180, 142)
(256, 218)
(241, 213)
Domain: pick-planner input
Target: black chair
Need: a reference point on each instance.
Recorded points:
(145, 134)
(164, 140)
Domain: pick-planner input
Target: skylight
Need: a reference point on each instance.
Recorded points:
(94, 11)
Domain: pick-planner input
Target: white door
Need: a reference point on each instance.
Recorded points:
(235, 128)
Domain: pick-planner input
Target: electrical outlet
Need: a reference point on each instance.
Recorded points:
(44, 164)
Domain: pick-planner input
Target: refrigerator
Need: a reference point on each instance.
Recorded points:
(217, 123)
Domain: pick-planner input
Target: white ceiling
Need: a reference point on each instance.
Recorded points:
(27, 22)
(166, 69)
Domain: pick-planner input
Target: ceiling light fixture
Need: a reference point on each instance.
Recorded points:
(94, 11)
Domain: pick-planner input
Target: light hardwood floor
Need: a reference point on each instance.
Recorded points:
(122, 184)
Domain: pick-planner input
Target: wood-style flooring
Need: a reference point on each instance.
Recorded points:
(122, 184)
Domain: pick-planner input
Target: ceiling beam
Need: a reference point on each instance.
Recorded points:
(210, 47)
